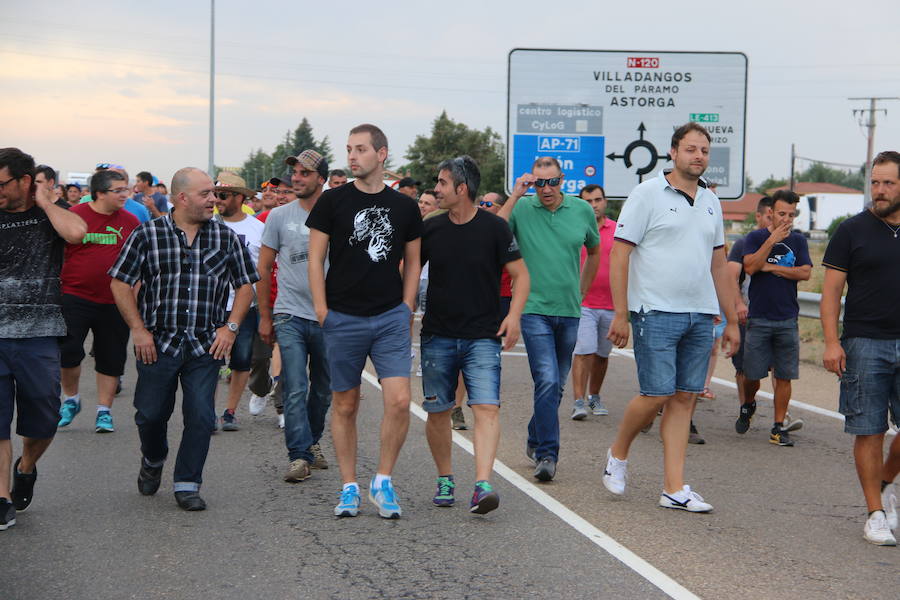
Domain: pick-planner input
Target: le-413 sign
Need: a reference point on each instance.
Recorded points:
(608, 115)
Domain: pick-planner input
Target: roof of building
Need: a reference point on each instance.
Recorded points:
(737, 210)
(804, 188)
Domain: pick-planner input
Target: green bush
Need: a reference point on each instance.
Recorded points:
(834, 224)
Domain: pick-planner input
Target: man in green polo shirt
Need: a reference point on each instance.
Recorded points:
(551, 228)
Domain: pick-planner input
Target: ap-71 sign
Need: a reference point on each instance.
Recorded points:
(608, 116)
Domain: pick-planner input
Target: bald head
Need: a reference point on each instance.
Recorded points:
(184, 178)
(192, 195)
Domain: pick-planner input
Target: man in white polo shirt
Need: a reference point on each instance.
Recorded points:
(668, 269)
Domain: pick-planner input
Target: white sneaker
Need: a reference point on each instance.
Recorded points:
(281, 421)
(790, 424)
(257, 404)
(685, 499)
(419, 370)
(877, 531)
(615, 474)
(889, 502)
(579, 412)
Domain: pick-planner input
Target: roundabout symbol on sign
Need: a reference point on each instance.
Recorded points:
(639, 143)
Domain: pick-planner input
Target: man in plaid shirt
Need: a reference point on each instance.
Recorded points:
(185, 263)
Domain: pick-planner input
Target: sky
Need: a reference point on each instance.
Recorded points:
(128, 82)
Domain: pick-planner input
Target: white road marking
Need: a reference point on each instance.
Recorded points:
(634, 562)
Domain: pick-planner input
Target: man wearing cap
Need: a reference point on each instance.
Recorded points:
(231, 192)
(409, 186)
(293, 318)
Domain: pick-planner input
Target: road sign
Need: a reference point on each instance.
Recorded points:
(608, 115)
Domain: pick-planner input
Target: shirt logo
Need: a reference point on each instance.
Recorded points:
(373, 226)
(709, 209)
(111, 238)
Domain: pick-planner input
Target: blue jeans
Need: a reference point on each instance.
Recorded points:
(550, 342)
(242, 349)
(443, 359)
(306, 399)
(154, 401)
(671, 351)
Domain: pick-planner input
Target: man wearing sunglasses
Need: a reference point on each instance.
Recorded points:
(87, 302)
(231, 192)
(551, 229)
(35, 229)
(186, 262)
(668, 271)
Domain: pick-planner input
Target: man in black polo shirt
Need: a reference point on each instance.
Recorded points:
(864, 254)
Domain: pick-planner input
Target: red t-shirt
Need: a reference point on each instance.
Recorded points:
(273, 292)
(86, 263)
(505, 284)
(600, 296)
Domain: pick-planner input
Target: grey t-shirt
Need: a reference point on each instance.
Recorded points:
(286, 233)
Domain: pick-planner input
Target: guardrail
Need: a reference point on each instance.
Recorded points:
(810, 302)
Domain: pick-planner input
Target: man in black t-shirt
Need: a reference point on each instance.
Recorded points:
(364, 305)
(864, 254)
(34, 228)
(466, 249)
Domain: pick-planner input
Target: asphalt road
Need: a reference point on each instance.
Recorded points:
(787, 521)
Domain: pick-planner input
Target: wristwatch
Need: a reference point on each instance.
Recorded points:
(232, 327)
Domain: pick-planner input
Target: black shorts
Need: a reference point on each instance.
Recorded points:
(110, 335)
(29, 383)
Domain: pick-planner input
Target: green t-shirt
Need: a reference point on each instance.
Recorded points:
(551, 243)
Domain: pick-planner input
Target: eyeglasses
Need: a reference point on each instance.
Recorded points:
(109, 166)
(3, 184)
(284, 192)
(486, 203)
(225, 195)
(552, 182)
(118, 190)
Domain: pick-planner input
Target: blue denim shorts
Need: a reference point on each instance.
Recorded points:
(671, 351)
(350, 339)
(242, 350)
(444, 358)
(774, 344)
(29, 386)
(870, 385)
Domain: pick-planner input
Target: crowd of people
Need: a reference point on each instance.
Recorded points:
(298, 285)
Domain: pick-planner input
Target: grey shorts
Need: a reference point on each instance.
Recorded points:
(775, 344)
(592, 329)
(870, 385)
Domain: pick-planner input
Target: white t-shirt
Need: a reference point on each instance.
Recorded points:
(669, 268)
(249, 230)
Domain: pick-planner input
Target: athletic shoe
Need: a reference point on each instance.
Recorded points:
(458, 419)
(229, 421)
(685, 499)
(615, 474)
(484, 500)
(546, 469)
(67, 412)
(319, 461)
(791, 424)
(348, 505)
(23, 487)
(578, 410)
(298, 471)
(257, 404)
(694, 437)
(224, 373)
(215, 424)
(104, 423)
(149, 479)
(443, 496)
(877, 531)
(281, 421)
(746, 415)
(529, 452)
(385, 499)
(7, 514)
(780, 437)
(596, 405)
(889, 502)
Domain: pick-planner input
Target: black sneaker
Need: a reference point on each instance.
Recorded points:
(529, 452)
(23, 487)
(546, 469)
(780, 437)
(7, 514)
(229, 421)
(190, 501)
(695, 437)
(148, 479)
(746, 415)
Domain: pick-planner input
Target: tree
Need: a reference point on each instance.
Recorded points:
(256, 168)
(449, 139)
(303, 139)
(835, 223)
(824, 174)
(769, 183)
(260, 166)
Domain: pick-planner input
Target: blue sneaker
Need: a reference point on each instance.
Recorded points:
(444, 494)
(67, 412)
(348, 506)
(104, 422)
(485, 499)
(385, 499)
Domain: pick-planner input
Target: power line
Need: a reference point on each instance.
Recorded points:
(870, 125)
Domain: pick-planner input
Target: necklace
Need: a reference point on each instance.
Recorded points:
(896, 229)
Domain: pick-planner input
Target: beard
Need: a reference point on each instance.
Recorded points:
(886, 211)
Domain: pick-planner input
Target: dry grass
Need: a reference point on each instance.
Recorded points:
(812, 344)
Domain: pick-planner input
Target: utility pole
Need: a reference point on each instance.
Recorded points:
(211, 171)
(870, 125)
(793, 161)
